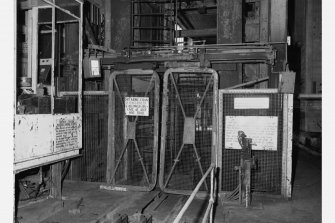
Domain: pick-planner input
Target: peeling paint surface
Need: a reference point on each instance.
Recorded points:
(33, 136)
(45, 137)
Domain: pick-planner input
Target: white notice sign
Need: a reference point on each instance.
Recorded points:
(137, 106)
(95, 68)
(251, 103)
(261, 129)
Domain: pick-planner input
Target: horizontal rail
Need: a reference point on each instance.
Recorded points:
(195, 191)
(310, 96)
(75, 93)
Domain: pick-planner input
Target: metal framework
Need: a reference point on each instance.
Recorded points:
(133, 139)
(188, 128)
(272, 174)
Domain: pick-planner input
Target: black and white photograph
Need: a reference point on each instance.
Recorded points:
(167, 111)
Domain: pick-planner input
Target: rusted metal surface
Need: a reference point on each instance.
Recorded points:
(229, 17)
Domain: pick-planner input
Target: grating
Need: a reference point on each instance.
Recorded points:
(134, 138)
(187, 128)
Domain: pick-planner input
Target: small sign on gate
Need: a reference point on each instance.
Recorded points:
(137, 106)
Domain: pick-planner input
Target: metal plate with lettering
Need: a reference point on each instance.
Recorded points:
(137, 106)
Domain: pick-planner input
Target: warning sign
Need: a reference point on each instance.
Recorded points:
(137, 106)
(263, 130)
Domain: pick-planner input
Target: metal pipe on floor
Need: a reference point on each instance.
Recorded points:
(195, 191)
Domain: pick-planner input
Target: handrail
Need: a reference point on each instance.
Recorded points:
(195, 191)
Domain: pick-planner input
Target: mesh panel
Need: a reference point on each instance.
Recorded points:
(91, 166)
(267, 176)
(135, 137)
(188, 141)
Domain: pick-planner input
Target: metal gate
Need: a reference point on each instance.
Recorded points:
(133, 130)
(188, 128)
(262, 115)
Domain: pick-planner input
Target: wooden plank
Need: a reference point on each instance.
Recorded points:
(229, 25)
(196, 32)
(56, 177)
(286, 189)
(284, 149)
(289, 146)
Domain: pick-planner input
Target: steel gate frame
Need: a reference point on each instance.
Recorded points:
(287, 118)
(111, 164)
(214, 78)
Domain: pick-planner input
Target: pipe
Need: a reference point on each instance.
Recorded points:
(211, 202)
(195, 191)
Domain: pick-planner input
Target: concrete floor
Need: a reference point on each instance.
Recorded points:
(85, 202)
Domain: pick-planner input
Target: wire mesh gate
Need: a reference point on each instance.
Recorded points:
(188, 128)
(260, 114)
(133, 129)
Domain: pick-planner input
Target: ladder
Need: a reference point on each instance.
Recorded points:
(153, 22)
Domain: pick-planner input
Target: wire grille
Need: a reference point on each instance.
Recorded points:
(91, 166)
(188, 112)
(135, 157)
(268, 174)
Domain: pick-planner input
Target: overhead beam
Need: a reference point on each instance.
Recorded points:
(26, 5)
(196, 33)
(192, 11)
